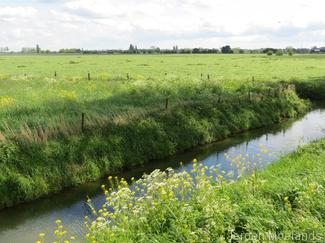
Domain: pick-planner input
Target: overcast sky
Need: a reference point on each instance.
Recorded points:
(106, 24)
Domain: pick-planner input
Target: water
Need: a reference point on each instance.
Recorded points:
(23, 223)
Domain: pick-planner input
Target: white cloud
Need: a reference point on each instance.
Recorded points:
(23, 12)
(208, 23)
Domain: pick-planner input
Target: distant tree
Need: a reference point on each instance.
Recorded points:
(70, 50)
(269, 53)
(302, 50)
(38, 49)
(4, 49)
(226, 49)
(28, 50)
(289, 49)
(266, 50)
(196, 50)
(154, 49)
(175, 49)
(185, 51)
(131, 49)
(238, 50)
(279, 52)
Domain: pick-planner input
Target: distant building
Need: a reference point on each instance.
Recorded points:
(317, 50)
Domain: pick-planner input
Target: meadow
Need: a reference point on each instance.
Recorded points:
(45, 146)
(220, 67)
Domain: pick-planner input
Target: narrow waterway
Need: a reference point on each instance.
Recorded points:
(24, 222)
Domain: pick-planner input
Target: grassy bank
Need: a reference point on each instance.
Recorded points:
(36, 162)
(314, 90)
(283, 203)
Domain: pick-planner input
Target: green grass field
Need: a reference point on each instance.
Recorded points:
(43, 148)
(220, 67)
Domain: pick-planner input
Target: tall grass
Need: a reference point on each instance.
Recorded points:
(38, 160)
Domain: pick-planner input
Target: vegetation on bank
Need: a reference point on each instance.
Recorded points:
(310, 90)
(283, 203)
(32, 166)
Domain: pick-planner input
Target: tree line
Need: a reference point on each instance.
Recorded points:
(133, 49)
(227, 49)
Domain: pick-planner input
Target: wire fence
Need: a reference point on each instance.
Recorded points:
(252, 92)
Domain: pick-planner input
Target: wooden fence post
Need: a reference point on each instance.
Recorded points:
(208, 76)
(55, 75)
(166, 104)
(89, 76)
(167, 173)
(83, 122)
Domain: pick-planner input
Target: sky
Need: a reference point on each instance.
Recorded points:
(115, 24)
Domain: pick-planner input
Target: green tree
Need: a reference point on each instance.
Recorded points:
(131, 49)
(226, 49)
(279, 52)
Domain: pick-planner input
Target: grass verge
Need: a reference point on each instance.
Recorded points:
(29, 170)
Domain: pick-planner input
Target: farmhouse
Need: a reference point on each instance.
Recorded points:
(317, 50)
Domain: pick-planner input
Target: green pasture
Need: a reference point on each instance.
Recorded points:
(221, 67)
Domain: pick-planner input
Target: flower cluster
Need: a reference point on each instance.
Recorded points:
(69, 95)
(136, 203)
(60, 234)
(7, 101)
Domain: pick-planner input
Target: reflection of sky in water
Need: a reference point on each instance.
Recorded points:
(308, 129)
(23, 223)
